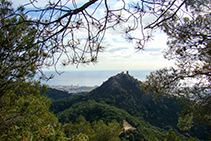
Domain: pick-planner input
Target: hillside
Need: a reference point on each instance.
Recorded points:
(121, 98)
(124, 92)
(94, 111)
(55, 94)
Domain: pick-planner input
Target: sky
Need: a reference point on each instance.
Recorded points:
(119, 54)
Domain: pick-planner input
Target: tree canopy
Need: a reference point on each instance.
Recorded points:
(20, 57)
(189, 41)
(75, 29)
(24, 114)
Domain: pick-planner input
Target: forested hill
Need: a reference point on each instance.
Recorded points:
(55, 94)
(120, 98)
(124, 91)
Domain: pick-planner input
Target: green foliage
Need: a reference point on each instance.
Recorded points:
(192, 139)
(54, 94)
(171, 136)
(123, 92)
(185, 122)
(62, 104)
(94, 111)
(80, 126)
(105, 132)
(25, 114)
(79, 137)
(189, 45)
(82, 129)
(111, 101)
(19, 56)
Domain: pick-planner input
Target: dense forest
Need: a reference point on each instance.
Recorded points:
(172, 104)
(121, 98)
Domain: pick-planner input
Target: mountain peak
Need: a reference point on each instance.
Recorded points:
(124, 91)
(118, 86)
(123, 79)
(122, 74)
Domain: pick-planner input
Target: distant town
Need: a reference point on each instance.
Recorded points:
(73, 88)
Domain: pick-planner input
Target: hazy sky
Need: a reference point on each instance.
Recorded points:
(120, 55)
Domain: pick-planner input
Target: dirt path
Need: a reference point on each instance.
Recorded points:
(127, 126)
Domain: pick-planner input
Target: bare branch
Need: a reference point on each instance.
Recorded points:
(156, 23)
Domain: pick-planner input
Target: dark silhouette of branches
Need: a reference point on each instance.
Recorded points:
(157, 22)
(73, 32)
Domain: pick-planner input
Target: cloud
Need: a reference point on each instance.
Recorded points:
(122, 55)
(43, 3)
(39, 3)
(153, 49)
(113, 50)
(118, 53)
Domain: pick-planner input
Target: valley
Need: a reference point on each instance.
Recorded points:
(121, 99)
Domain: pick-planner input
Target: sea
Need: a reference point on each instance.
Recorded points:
(89, 77)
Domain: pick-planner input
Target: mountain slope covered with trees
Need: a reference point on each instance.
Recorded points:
(55, 94)
(121, 98)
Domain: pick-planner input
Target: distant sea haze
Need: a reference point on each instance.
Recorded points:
(89, 78)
